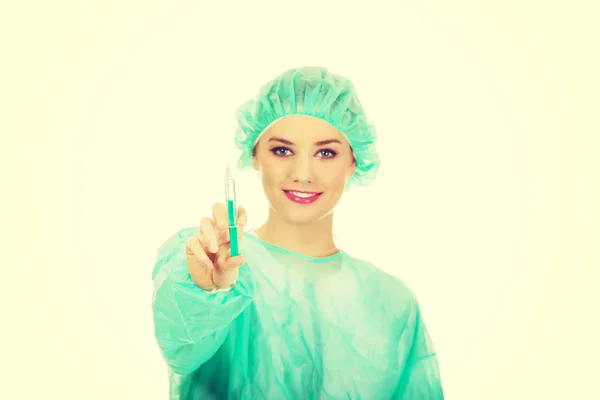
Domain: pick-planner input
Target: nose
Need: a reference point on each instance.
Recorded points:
(302, 169)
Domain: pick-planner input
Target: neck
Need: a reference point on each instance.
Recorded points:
(313, 239)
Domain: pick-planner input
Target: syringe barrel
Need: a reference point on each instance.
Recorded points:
(229, 189)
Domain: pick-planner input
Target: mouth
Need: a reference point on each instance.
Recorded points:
(302, 197)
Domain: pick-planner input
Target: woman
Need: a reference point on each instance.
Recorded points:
(292, 317)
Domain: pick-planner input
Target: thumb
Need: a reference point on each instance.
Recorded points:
(234, 262)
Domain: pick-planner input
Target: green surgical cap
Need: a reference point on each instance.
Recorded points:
(316, 92)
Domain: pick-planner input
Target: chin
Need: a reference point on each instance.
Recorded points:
(298, 214)
(296, 218)
(303, 214)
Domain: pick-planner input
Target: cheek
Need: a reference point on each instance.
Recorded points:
(336, 177)
(271, 174)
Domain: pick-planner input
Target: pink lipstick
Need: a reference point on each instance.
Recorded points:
(301, 197)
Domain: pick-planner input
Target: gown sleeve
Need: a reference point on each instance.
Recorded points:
(190, 324)
(420, 378)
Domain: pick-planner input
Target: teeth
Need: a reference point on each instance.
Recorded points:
(305, 195)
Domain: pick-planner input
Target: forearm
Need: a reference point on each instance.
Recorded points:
(190, 324)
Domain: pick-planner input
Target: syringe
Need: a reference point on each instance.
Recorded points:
(231, 213)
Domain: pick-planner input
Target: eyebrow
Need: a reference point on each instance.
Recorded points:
(319, 143)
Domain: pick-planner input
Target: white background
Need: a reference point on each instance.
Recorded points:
(120, 124)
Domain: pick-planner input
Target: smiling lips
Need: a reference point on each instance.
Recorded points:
(301, 197)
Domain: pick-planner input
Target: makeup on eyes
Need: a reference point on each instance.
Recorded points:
(277, 149)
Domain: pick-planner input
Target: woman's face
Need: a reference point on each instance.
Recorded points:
(307, 155)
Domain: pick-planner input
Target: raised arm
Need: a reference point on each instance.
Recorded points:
(191, 323)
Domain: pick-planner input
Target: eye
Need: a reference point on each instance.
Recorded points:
(327, 153)
(280, 151)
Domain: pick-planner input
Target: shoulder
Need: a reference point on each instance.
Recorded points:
(176, 240)
(393, 290)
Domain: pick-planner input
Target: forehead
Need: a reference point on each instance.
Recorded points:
(299, 128)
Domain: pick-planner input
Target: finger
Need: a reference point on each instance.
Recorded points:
(220, 216)
(204, 242)
(194, 246)
(223, 259)
(222, 256)
(209, 235)
(221, 222)
(234, 262)
(242, 217)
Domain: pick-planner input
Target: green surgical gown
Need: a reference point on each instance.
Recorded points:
(292, 327)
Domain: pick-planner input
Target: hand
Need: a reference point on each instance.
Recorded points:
(207, 254)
